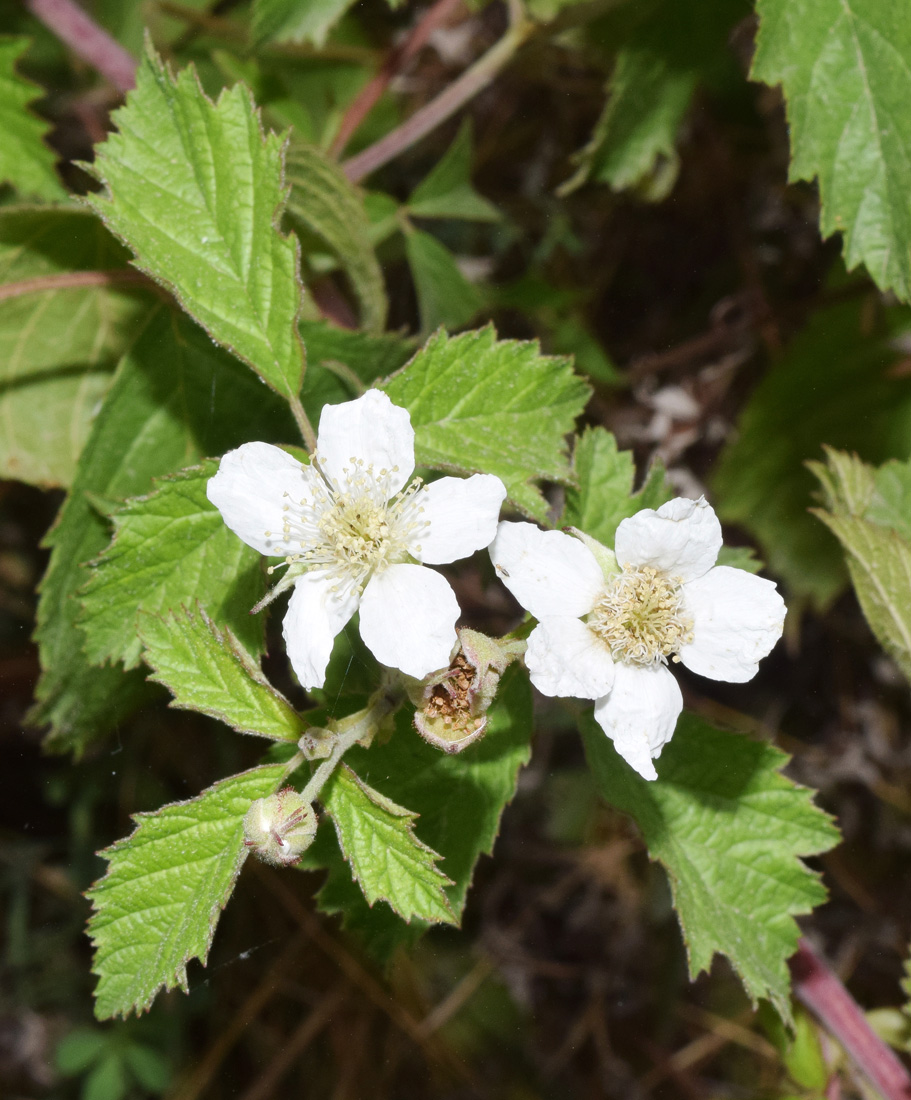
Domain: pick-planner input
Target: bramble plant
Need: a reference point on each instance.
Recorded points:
(197, 349)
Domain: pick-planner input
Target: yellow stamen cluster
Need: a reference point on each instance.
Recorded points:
(350, 527)
(641, 616)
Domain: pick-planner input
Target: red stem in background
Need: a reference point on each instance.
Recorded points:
(395, 62)
(818, 990)
(84, 37)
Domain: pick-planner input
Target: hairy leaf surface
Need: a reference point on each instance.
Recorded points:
(196, 190)
(208, 670)
(165, 888)
(496, 406)
(25, 160)
(170, 548)
(728, 829)
(845, 66)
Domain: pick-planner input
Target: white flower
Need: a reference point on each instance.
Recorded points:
(354, 537)
(607, 624)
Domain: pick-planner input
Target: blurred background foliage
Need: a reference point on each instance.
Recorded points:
(620, 193)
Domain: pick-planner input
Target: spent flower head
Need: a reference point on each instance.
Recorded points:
(355, 535)
(280, 827)
(608, 623)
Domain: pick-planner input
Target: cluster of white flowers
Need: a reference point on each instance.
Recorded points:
(355, 535)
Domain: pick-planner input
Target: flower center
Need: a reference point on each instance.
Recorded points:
(641, 616)
(352, 527)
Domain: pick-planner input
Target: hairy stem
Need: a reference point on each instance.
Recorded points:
(395, 62)
(472, 81)
(72, 26)
(348, 732)
(817, 988)
(303, 423)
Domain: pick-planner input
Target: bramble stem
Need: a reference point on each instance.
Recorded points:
(353, 729)
(395, 62)
(84, 37)
(303, 423)
(472, 81)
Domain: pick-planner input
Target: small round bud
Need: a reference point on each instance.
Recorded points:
(280, 828)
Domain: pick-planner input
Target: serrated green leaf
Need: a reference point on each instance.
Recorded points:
(342, 363)
(326, 203)
(460, 800)
(845, 66)
(25, 160)
(165, 888)
(296, 20)
(878, 557)
(728, 828)
(60, 335)
(208, 670)
(604, 495)
(387, 860)
(445, 296)
(446, 191)
(496, 406)
(196, 190)
(175, 398)
(170, 548)
(830, 386)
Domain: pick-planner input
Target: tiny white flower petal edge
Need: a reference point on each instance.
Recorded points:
(564, 658)
(640, 714)
(682, 538)
(463, 515)
(737, 619)
(316, 613)
(408, 617)
(548, 572)
(250, 492)
(371, 430)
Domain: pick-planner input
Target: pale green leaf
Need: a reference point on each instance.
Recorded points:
(460, 800)
(208, 670)
(878, 555)
(296, 20)
(387, 860)
(845, 66)
(445, 296)
(728, 828)
(69, 308)
(170, 548)
(497, 406)
(604, 495)
(165, 888)
(326, 203)
(175, 399)
(831, 386)
(196, 190)
(25, 160)
(446, 191)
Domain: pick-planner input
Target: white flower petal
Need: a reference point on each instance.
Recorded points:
(737, 618)
(370, 430)
(462, 514)
(251, 488)
(408, 617)
(640, 713)
(565, 658)
(548, 572)
(681, 539)
(315, 615)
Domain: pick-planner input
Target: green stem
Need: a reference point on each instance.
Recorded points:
(353, 729)
(303, 423)
(472, 81)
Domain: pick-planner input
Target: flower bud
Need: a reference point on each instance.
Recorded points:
(280, 828)
(452, 705)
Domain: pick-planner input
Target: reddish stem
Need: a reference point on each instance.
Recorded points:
(67, 280)
(817, 988)
(84, 37)
(395, 62)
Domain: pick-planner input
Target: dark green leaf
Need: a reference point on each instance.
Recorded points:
(25, 160)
